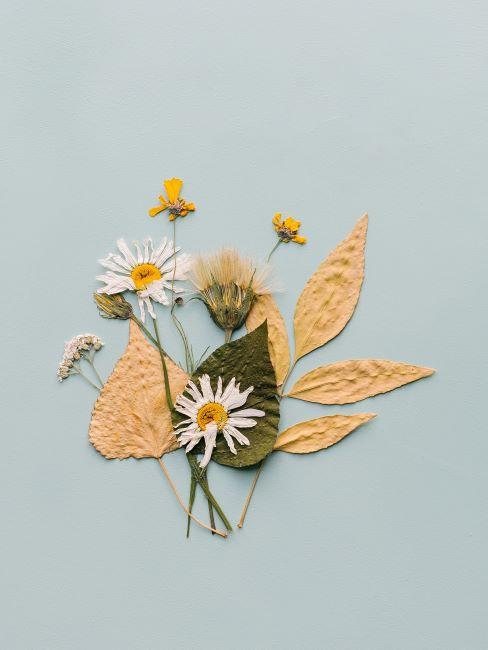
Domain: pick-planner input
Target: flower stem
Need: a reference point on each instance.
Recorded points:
(228, 334)
(144, 329)
(169, 399)
(192, 461)
(261, 464)
(274, 248)
(79, 371)
(180, 501)
(191, 501)
(96, 372)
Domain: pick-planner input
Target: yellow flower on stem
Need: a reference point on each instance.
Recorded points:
(287, 229)
(176, 206)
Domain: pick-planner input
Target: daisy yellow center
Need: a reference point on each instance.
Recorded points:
(212, 413)
(144, 274)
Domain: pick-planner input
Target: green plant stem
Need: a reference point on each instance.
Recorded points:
(79, 371)
(167, 390)
(193, 462)
(191, 501)
(228, 334)
(180, 500)
(144, 329)
(210, 507)
(274, 248)
(96, 372)
(261, 464)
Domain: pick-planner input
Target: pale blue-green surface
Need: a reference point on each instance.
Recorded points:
(322, 110)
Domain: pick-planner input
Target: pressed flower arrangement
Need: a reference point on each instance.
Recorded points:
(226, 407)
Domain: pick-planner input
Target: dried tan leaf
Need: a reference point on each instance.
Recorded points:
(131, 416)
(346, 382)
(329, 298)
(320, 433)
(265, 308)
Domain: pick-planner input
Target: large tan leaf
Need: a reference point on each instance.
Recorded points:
(320, 433)
(329, 298)
(265, 308)
(346, 382)
(131, 416)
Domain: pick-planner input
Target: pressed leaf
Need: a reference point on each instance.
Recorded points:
(346, 382)
(320, 433)
(265, 308)
(247, 359)
(329, 298)
(131, 416)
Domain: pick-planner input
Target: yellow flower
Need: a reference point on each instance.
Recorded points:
(287, 229)
(176, 206)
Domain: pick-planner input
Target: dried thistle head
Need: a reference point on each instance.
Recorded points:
(228, 284)
(113, 306)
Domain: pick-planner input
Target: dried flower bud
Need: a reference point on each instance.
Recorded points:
(228, 284)
(113, 306)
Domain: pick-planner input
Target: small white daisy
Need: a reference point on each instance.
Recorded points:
(210, 414)
(148, 272)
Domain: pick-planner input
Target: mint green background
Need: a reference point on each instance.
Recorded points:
(322, 110)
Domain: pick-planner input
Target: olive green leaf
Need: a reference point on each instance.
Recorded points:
(247, 359)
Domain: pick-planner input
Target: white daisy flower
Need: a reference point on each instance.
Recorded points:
(210, 414)
(148, 272)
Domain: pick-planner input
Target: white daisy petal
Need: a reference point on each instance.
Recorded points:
(240, 437)
(237, 399)
(126, 252)
(246, 413)
(147, 242)
(140, 258)
(229, 441)
(210, 438)
(141, 307)
(218, 392)
(243, 423)
(207, 392)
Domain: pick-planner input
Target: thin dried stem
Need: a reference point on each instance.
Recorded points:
(180, 501)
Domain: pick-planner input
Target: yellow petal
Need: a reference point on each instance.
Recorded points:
(291, 224)
(154, 211)
(173, 188)
(277, 219)
(190, 207)
(299, 240)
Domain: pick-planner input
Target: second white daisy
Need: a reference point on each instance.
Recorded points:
(212, 413)
(149, 272)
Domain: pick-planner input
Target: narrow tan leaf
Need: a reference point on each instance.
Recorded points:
(329, 298)
(346, 382)
(131, 416)
(265, 308)
(320, 433)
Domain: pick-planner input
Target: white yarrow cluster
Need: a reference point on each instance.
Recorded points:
(74, 350)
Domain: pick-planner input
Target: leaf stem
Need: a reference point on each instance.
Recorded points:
(261, 464)
(180, 501)
(250, 493)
